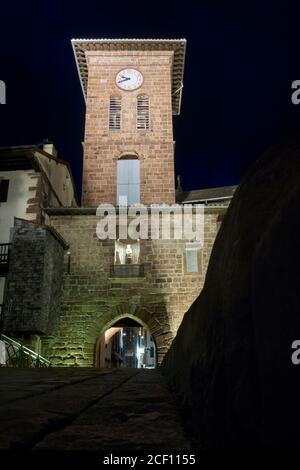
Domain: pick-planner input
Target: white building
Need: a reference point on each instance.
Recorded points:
(31, 177)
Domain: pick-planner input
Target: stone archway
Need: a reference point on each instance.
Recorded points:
(121, 317)
(114, 328)
(156, 320)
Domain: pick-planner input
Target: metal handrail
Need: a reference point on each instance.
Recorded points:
(19, 355)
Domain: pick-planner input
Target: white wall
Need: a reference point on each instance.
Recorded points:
(16, 205)
(60, 178)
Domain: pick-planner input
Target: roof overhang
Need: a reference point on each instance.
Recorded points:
(207, 195)
(26, 157)
(12, 159)
(80, 46)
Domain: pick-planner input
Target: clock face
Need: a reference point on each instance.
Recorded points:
(129, 79)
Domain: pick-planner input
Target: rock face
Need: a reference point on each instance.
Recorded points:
(231, 359)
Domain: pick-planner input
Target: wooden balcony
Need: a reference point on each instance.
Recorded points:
(127, 270)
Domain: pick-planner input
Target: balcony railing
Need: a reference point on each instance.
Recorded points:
(15, 354)
(4, 257)
(127, 270)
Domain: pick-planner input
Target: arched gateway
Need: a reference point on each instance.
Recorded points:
(125, 341)
(131, 314)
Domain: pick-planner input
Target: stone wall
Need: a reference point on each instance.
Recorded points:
(231, 359)
(93, 301)
(103, 147)
(33, 288)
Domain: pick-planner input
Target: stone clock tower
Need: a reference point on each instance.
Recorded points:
(132, 89)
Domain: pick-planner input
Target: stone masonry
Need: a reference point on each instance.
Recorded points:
(69, 299)
(34, 282)
(154, 147)
(93, 301)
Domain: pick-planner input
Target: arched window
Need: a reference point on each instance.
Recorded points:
(114, 113)
(128, 180)
(142, 112)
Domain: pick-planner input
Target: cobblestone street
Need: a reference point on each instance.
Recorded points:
(88, 409)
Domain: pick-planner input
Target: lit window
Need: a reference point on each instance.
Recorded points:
(142, 112)
(191, 256)
(115, 113)
(128, 181)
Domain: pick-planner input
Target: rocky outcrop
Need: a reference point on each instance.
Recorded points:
(231, 359)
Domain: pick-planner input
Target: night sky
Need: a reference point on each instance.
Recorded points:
(241, 59)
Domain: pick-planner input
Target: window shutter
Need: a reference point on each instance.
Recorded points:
(123, 174)
(142, 113)
(115, 113)
(128, 181)
(133, 171)
(134, 181)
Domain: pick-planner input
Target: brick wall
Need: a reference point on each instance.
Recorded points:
(103, 147)
(92, 301)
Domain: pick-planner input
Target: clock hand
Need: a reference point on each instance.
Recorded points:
(124, 80)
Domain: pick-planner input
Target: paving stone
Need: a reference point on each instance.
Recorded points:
(145, 435)
(29, 419)
(95, 409)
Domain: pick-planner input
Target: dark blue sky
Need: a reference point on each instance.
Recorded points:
(241, 60)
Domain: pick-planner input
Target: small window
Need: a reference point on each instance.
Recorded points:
(191, 256)
(3, 190)
(115, 113)
(142, 112)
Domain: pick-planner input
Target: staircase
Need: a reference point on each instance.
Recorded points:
(15, 354)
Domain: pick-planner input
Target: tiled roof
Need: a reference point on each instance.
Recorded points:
(208, 194)
(80, 46)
